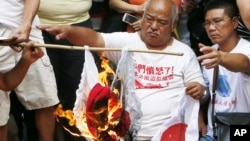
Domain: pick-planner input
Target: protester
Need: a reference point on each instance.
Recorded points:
(37, 91)
(231, 54)
(157, 26)
(11, 79)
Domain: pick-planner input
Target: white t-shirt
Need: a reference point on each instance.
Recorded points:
(233, 92)
(160, 78)
(11, 15)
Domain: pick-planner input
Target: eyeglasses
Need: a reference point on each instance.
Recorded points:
(215, 22)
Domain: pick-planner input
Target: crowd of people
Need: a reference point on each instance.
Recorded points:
(41, 78)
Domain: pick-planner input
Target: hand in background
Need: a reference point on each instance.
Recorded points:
(22, 33)
(136, 25)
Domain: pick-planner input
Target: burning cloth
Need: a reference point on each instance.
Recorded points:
(100, 113)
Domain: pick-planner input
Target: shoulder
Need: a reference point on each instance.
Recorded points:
(243, 45)
(244, 41)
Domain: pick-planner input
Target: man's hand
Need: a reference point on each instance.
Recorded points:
(60, 31)
(30, 54)
(136, 25)
(195, 90)
(210, 58)
(22, 33)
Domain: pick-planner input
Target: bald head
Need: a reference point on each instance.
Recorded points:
(163, 5)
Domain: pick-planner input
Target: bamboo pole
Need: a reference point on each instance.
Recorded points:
(102, 49)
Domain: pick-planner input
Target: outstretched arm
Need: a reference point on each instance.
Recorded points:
(76, 35)
(235, 62)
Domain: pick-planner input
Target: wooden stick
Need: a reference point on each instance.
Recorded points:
(101, 49)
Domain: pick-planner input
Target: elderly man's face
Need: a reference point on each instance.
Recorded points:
(157, 24)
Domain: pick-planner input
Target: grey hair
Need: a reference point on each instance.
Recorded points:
(174, 11)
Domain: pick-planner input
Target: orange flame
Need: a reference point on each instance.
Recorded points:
(68, 114)
(113, 109)
(106, 73)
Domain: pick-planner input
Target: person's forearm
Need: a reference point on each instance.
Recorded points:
(122, 6)
(30, 11)
(244, 9)
(14, 77)
(85, 36)
(235, 62)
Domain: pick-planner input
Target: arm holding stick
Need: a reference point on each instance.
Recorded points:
(78, 36)
(81, 36)
(12, 78)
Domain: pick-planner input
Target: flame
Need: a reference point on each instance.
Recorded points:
(104, 76)
(106, 118)
(68, 114)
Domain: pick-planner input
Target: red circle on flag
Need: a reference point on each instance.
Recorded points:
(175, 132)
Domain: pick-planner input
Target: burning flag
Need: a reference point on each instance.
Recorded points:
(100, 112)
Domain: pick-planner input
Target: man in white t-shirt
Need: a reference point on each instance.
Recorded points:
(38, 90)
(160, 78)
(231, 53)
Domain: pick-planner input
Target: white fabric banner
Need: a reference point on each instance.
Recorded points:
(183, 123)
